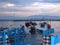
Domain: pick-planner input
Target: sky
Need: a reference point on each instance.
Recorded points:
(29, 7)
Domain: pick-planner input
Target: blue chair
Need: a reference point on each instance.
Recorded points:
(20, 36)
(2, 38)
(47, 32)
(12, 36)
(55, 39)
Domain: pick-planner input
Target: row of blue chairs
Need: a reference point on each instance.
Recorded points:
(15, 37)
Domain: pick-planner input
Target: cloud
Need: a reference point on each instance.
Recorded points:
(41, 8)
(6, 5)
(36, 8)
(9, 5)
(27, 2)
